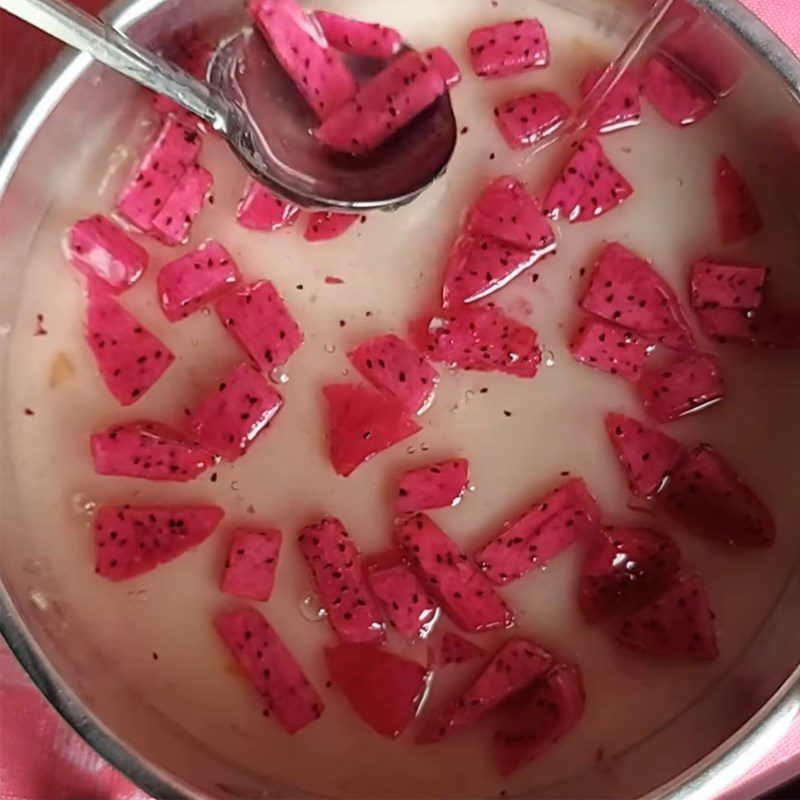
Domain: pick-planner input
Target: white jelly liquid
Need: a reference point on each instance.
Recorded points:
(391, 268)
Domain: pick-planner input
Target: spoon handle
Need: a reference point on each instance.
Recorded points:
(88, 34)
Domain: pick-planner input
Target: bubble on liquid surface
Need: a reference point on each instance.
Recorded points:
(39, 599)
(279, 375)
(548, 358)
(329, 348)
(411, 449)
(311, 608)
(82, 504)
(138, 595)
(37, 566)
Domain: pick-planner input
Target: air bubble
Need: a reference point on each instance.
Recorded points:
(234, 486)
(195, 342)
(36, 566)
(345, 372)
(411, 449)
(5, 329)
(205, 311)
(139, 595)
(83, 505)
(311, 608)
(39, 600)
(330, 348)
(424, 447)
(468, 395)
(548, 358)
(279, 375)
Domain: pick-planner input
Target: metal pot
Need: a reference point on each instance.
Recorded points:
(695, 755)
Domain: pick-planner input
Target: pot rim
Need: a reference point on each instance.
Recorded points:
(709, 776)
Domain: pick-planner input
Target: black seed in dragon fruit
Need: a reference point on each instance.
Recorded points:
(440, 60)
(367, 39)
(609, 348)
(176, 214)
(737, 211)
(455, 649)
(235, 412)
(129, 357)
(622, 107)
(271, 667)
(324, 225)
(438, 485)
(131, 540)
(678, 97)
(528, 119)
(508, 48)
(725, 284)
(404, 600)
(251, 563)
(258, 319)
(340, 581)
(260, 210)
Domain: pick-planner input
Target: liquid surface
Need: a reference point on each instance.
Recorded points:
(520, 436)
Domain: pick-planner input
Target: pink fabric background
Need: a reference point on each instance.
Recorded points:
(41, 758)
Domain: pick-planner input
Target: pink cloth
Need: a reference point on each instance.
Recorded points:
(41, 758)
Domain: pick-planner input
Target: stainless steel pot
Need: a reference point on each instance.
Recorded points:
(695, 755)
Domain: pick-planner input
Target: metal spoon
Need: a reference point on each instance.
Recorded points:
(252, 103)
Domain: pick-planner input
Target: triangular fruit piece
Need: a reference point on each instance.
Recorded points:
(433, 486)
(455, 649)
(737, 210)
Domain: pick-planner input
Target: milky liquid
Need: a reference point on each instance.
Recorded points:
(520, 436)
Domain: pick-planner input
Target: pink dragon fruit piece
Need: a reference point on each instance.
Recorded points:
(483, 338)
(514, 666)
(707, 495)
(678, 97)
(455, 649)
(250, 566)
(683, 387)
(622, 106)
(148, 450)
(539, 534)
(444, 64)
(449, 576)
(543, 715)
(625, 568)
(758, 328)
(737, 210)
(628, 291)
(507, 212)
(648, 457)
(257, 318)
(715, 284)
(433, 486)
(578, 194)
(392, 365)
(260, 210)
(192, 54)
(609, 348)
(271, 667)
(175, 216)
(383, 105)
(129, 357)
(325, 225)
(508, 48)
(526, 120)
(100, 249)
(405, 602)
(162, 166)
(384, 689)
(362, 423)
(317, 70)
(131, 540)
(235, 412)
(194, 280)
(340, 581)
(678, 624)
(366, 39)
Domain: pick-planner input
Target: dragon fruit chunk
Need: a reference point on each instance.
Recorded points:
(609, 348)
(158, 173)
(187, 283)
(514, 666)
(449, 576)
(455, 649)
(678, 624)
(627, 291)
(507, 212)
(433, 486)
(539, 534)
(364, 672)
(131, 540)
(260, 210)
(545, 713)
(325, 225)
(270, 666)
(715, 284)
(757, 328)
(483, 338)
(526, 120)
(340, 581)
(508, 48)
(366, 39)
(250, 566)
(622, 107)
(129, 357)
(623, 569)
(235, 412)
(648, 457)
(174, 219)
(148, 450)
(316, 69)
(405, 602)
(100, 249)
(192, 54)
(444, 64)
(258, 319)
(578, 194)
(677, 97)
(707, 496)
(737, 210)
(383, 105)
(393, 366)
(683, 387)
